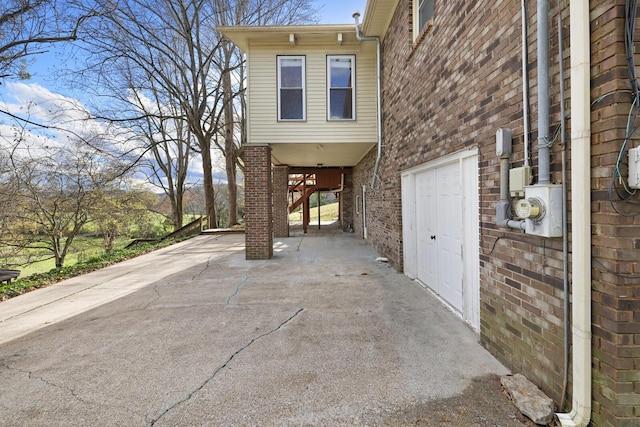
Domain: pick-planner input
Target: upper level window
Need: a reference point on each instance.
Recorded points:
(341, 87)
(291, 88)
(422, 15)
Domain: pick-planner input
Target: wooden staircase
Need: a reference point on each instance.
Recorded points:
(303, 182)
(301, 187)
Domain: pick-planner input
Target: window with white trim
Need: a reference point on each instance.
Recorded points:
(422, 15)
(341, 94)
(291, 88)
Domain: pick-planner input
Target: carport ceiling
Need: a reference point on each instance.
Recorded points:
(312, 155)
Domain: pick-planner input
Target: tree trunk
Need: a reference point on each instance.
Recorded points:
(178, 210)
(57, 256)
(229, 148)
(108, 236)
(209, 194)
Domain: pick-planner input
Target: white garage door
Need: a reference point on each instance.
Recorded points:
(440, 230)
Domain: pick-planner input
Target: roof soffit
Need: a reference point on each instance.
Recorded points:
(377, 17)
(303, 35)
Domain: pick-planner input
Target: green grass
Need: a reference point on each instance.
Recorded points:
(34, 281)
(327, 213)
(83, 248)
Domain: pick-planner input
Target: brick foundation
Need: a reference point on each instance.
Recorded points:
(258, 202)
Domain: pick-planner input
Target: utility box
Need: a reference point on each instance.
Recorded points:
(518, 179)
(542, 210)
(634, 167)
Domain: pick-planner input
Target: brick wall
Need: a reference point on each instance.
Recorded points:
(382, 209)
(452, 90)
(616, 270)
(281, 201)
(258, 202)
(346, 202)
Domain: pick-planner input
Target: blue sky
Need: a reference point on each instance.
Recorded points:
(330, 12)
(339, 11)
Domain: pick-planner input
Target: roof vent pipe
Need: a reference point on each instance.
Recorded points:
(362, 38)
(544, 174)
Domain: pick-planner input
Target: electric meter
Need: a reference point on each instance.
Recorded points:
(529, 208)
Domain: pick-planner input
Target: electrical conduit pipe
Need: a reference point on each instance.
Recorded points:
(580, 414)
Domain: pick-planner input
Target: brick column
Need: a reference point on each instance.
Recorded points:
(258, 208)
(346, 207)
(281, 201)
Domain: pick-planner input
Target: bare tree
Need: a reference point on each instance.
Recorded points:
(28, 26)
(54, 197)
(172, 48)
(169, 139)
(162, 46)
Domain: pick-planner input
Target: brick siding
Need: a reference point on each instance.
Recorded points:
(258, 202)
(616, 270)
(451, 91)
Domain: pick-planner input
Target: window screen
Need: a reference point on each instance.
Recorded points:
(341, 87)
(291, 87)
(424, 13)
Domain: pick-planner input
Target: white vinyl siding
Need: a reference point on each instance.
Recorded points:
(341, 94)
(263, 125)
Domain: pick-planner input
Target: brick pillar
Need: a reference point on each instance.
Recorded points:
(346, 207)
(258, 207)
(281, 201)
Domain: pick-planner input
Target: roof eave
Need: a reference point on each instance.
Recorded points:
(241, 35)
(377, 17)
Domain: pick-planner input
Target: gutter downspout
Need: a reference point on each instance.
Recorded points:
(362, 38)
(580, 414)
(565, 222)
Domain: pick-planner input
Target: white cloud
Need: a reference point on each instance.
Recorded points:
(63, 119)
(49, 118)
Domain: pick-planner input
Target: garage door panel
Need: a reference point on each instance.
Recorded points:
(425, 224)
(449, 234)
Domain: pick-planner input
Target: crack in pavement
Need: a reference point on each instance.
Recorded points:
(205, 268)
(235, 293)
(32, 376)
(153, 421)
(153, 299)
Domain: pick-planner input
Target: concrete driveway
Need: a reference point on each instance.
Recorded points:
(194, 334)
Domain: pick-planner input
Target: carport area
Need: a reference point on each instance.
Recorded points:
(194, 334)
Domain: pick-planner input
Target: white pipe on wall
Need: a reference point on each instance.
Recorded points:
(362, 38)
(580, 414)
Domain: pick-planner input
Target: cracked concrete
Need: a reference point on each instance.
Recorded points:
(232, 300)
(319, 335)
(217, 371)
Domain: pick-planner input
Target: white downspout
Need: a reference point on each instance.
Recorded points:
(364, 211)
(362, 38)
(580, 414)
